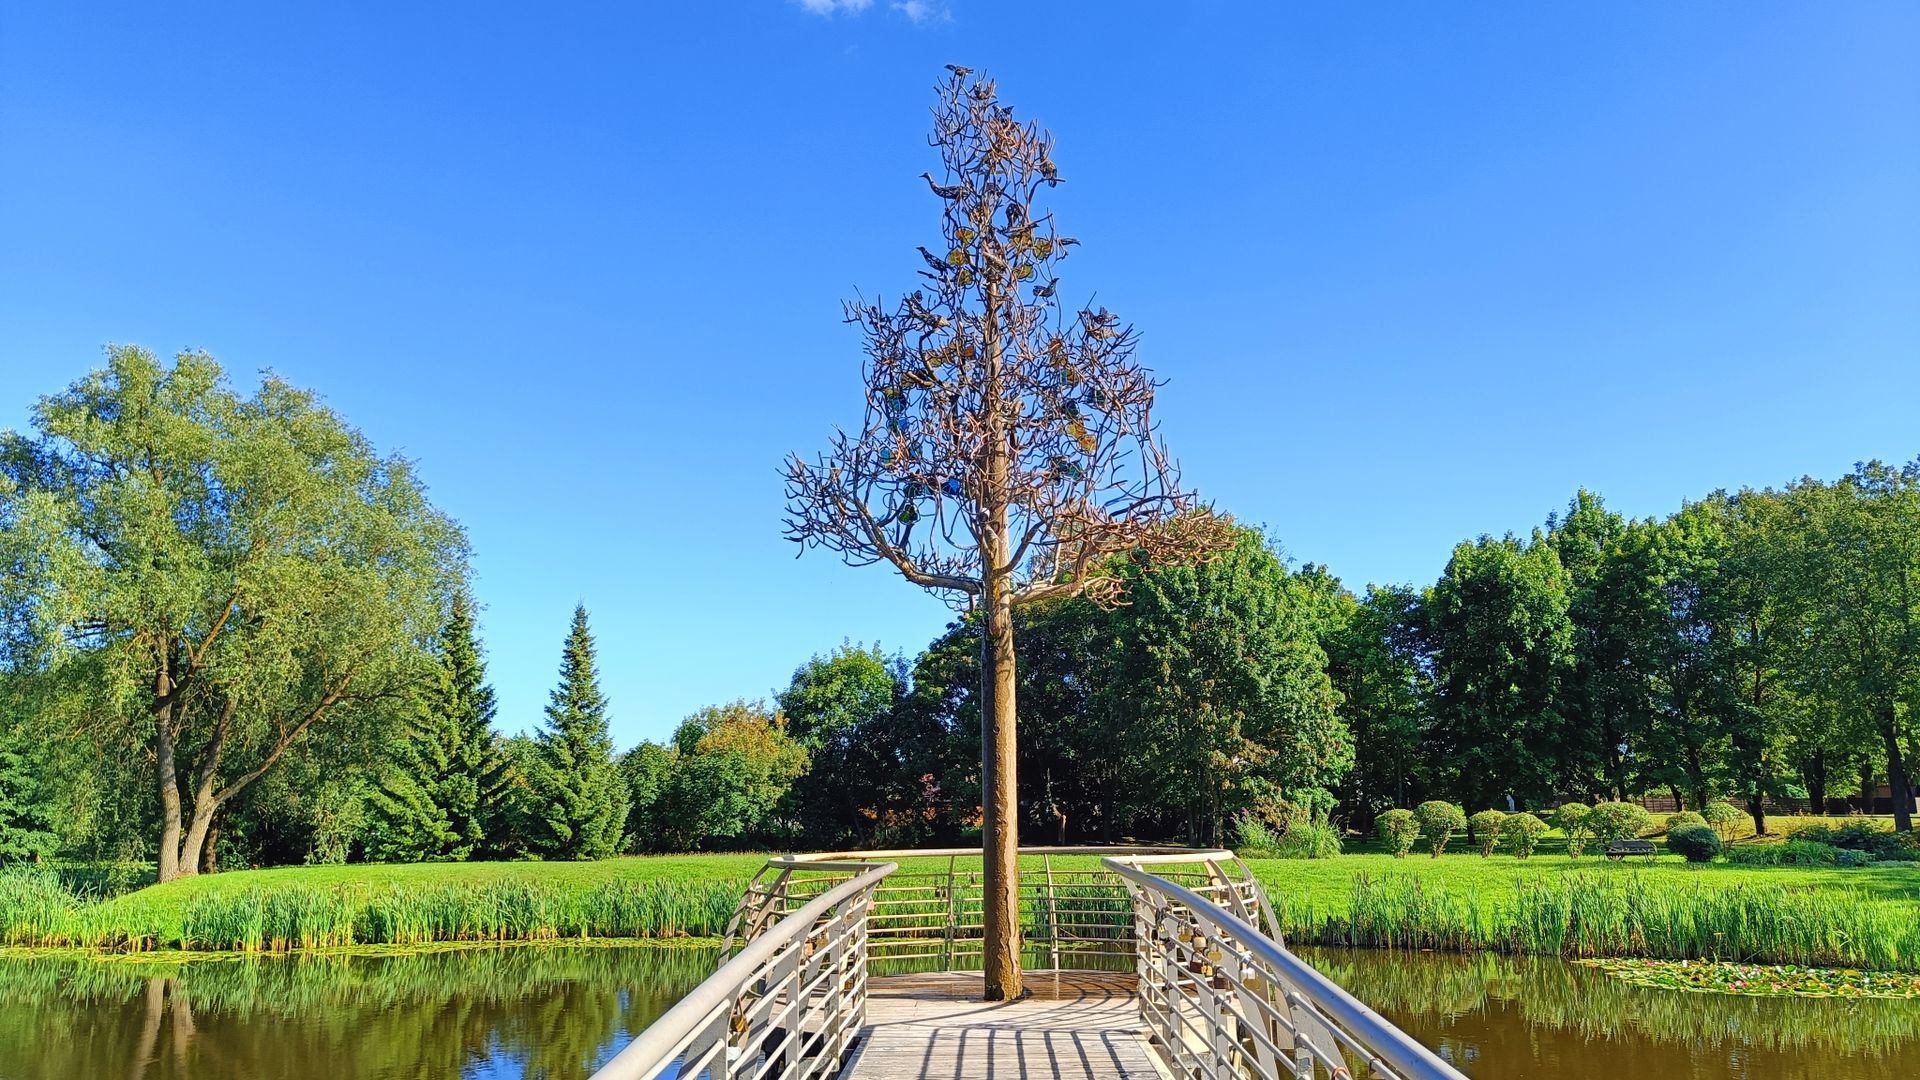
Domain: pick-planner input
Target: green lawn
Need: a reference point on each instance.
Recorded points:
(1468, 900)
(1324, 885)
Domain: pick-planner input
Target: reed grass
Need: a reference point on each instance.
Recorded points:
(1587, 916)
(36, 911)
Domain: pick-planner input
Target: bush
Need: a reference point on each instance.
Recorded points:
(1398, 831)
(1723, 817)
(1439, 820)
(1791, 853)
(1486, 826)
(1522, 831)
(1866, 837)
(1696, 843)
(1683, 819)
(1848, 858)
(1309, 837)
(1612, 821)
(1571, 820)
(1252, 837)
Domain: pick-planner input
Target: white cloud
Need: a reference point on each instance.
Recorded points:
(921, 11)
(834, 7)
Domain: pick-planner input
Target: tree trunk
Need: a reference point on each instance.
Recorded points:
(164, 774)
(1679, 803)
(999, 831)
(210, 854)
(1757, 806)
(1897, 783)
(1815, 773)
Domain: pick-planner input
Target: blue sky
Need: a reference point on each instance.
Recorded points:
(1412, 272)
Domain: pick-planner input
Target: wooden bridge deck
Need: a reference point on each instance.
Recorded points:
(1072, 1025)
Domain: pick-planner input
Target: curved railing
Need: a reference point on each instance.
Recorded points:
(928, 916)
(1224, 998)
(787, 1004)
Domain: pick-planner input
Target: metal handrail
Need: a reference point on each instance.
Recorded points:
(933, 914)
(787, 1004)
(1261, 1012)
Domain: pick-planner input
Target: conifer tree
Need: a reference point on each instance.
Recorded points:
(433, 802)
(582, 800)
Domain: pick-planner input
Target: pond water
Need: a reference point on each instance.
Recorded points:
(1496, 1016)
(498, 1013)
(559, 1010)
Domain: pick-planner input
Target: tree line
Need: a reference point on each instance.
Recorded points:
(234, 633)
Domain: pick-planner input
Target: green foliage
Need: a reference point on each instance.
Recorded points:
(1612, 821)
(1760, 980)
(445, 768)
(580, 800)
(1572, 819)
(1218, 675)
(1867, 837)
(27, 812)
(732, 766)
(1584, 915)
(1308, 836)
(843, 711)
(1398, 830)
(1486, 827)
(1376, 658)
(1683, 819)
(1522, 832)
(1502, 649)
(1438, 820)
(213, 580)
(1723, 817)
(1252, 837)
(1793, 853)
(1695, 843)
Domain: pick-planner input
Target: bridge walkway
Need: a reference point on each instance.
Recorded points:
(1072, 1025)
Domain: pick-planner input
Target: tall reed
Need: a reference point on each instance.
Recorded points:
(1584, 916)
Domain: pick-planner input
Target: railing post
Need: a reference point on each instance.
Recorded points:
(1053, 915)
(953, 916)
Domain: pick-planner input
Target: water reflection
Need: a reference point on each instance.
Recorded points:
(1497, 1016)
(546, 1011)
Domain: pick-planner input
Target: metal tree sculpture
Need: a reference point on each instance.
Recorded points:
(1007, 450)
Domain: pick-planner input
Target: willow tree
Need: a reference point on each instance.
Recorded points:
(1007, 450)
(224, 578)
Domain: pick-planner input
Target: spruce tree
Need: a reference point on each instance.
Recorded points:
(433, 802)
(582, 803)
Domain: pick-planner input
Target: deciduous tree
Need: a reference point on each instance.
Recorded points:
(238, 572)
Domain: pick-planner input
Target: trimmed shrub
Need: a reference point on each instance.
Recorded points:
(1571, 820)
(1682, 819)
(1439, 820)
(1612, 821)
(1695, 843)
(1485, 827)
(1522, 832)
(1723, 817)
(1398, 831)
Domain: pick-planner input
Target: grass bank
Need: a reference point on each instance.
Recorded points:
(333, 906)
(1548, 904)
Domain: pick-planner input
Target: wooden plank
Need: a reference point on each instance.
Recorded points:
(1073, 1025)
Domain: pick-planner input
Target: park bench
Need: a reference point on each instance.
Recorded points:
(1620, 849)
